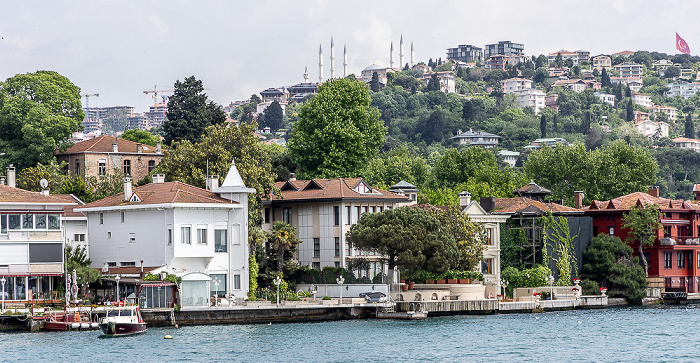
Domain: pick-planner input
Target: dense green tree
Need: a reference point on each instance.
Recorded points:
(255, 99)
(469, 236)
(282, 162)
(141, 136)
(543, 126)
(689, 126)
(395, 165)
(433, 83)
(77, 259)
(374, 83)
(188, 162)
(605, 78)
(628, 91)
(608, 262)
(432, 128)
(38, 113)
(273, 116)
(283, 239)
(337, 132)
(189, 112)
(541, 61)
(644, 223)
(672, 72)
(629, 111)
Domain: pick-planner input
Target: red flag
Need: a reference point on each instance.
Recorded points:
(681, 45)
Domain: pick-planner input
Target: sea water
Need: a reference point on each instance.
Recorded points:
(633, 334)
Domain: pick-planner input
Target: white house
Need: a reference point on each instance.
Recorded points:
(605, 97)
(683, 89)
(642, 100)
(686, 143)
(197, 234)
(511, 85)
(650, 128)
(532, 98)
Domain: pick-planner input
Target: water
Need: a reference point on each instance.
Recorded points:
(650, 334)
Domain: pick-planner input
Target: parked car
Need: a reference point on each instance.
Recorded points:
(374, 296)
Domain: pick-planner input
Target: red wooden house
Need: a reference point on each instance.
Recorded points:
(675, 255)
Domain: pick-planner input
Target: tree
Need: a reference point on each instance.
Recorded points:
(77, 259)
(188, 162)
(605, 78)
(411, 239)
(283, 238)
(273, 116)
(433, 83)
(395, 165)
(374, 83)
(255, 99)
(629, 114)
(559, 60)
(189, 112)
(585, 122)
(141, 136)
(689, 126)
(469, 237)
(643, 223)
(337, 132)
(628, 91)
(608, 262)
(38, 113)
(672, 72)
(543, 126)
(558, 245)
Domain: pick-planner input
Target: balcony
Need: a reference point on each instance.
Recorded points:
(680, 241)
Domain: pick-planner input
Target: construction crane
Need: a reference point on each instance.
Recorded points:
(155, 93)
(87, 103)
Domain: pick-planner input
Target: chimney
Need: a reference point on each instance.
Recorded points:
(141, 274)
(11, 181)
(212, 182)
(292, 177)
(127, 188)
(158, 178)
(578, 199)
(654, 191)
(45, 191)
(2, 180)
(139, 148)
(488, 204)
(464, 199)
(115, 148)
(158, 147)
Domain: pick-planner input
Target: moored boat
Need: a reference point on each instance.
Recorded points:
(122, 321)
(68, 321)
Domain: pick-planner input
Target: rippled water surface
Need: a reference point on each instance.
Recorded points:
(623, 334)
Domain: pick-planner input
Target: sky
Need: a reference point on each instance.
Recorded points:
(236, 48)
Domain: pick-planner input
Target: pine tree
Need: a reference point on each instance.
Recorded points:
(554, 125)
(374, 83)
(585, 122)
(689, 127)
(630, 111)
(604, 78)
(617, 89)
(543, 126)
(628, 91)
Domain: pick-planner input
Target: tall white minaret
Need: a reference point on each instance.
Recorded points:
(401, 52)
(412, 54)
(391, 55)
(332, 59)
(306, 74)
(345, 61)
(320, 63)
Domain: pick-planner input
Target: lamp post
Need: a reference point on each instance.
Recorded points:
(3, 292)
(277, 281)
(504, 283)
(216, 290)
(340, 280)
(117, 280)
(550, 280)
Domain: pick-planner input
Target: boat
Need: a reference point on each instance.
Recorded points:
(121, 321)
(68, 321)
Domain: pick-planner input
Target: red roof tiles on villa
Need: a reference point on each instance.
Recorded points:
(524, 205)
(103, 144)
(625, 202)
(10, 194)
(162, 193)
(331, 189)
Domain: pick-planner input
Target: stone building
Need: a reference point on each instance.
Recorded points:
(102, 155)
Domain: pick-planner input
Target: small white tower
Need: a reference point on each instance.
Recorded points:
(391, 55)
(412, 54)
(332, 59)
(401, 52)
(345, 61)
(306, 74)
(320, 63)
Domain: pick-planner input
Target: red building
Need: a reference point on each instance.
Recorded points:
(675, 255)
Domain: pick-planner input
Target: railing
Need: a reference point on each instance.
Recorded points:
(680, 241)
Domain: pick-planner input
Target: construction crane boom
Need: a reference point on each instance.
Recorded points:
(87, 103)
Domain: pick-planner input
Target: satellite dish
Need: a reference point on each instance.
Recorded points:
(44, 183)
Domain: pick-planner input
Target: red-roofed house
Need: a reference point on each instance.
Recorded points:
(198, 234)
(686, 143)
(101, 155)
(323, 210)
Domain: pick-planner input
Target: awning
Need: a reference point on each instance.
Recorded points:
(157, 284)
(673, 222)
(30, 275)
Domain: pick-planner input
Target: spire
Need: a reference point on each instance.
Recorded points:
(320, 63)
(391, 55)
(345, 61)
(401, 52)
(233, 182)
(412, 54)
(332, 59)
(306, 74)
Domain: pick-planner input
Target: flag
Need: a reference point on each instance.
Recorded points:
(681, 45)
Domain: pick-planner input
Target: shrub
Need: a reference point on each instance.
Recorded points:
(326, 298)
(589, 287)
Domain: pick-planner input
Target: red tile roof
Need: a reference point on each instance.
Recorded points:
(68, 209)
(162, 193)
(330, 189)
(9, 194)
(527, 205)
(625, 202)
(103, 144)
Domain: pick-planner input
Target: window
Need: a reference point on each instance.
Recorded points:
(668, 263)
(127, 167)
(220, 240)
(151, 165)
(287, 215)
(358, 211)
(79, 237)
(317, 265)
(170, 236)
(267, 215)
(102, 218)
(27, 221)
(380, 209)
(347, 215)
(126, 264)
(185, 235)
(698, 264)
(337, 247)
(348, 250)
(364, 210)
(77, 167)
(374, 209)
(611, 231)
(681, 259)
(202, 236)
(337, 264)
(122, 216)
(112, 264)
(3, 224)
(317, 247)
(102, 167)
(13, 221)
(489, 237)
(218, 285)
(336, 215)
(487, 266)
(132, 237)
(40, 221)
(54, 221)
(236, 282)
(109, 235)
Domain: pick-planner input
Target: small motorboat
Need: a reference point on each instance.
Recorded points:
(68, 321)
(122, 321)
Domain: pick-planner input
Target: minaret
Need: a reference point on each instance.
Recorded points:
(320, 64)
(401, 52)
(332, 59)
(345, 61)
(411, 53)
(306, 74)
(391, 55)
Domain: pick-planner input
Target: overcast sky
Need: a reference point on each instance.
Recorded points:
(121, 48)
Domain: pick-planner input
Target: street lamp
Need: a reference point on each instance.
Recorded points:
(117, 280)
(216, 290)
(340, 280)
(550, 280)
(277, 281)
(504, 283)
(3, 292)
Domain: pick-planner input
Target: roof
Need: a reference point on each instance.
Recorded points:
(373, 67)
(9, 195)
(68, 209)
(532, 188)
(696, 187)
(471, 133)
(330, 189)
(625, 202)
(162, 193)
(103, 144)
(523, 205)
(685, 139)
(624, 52)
